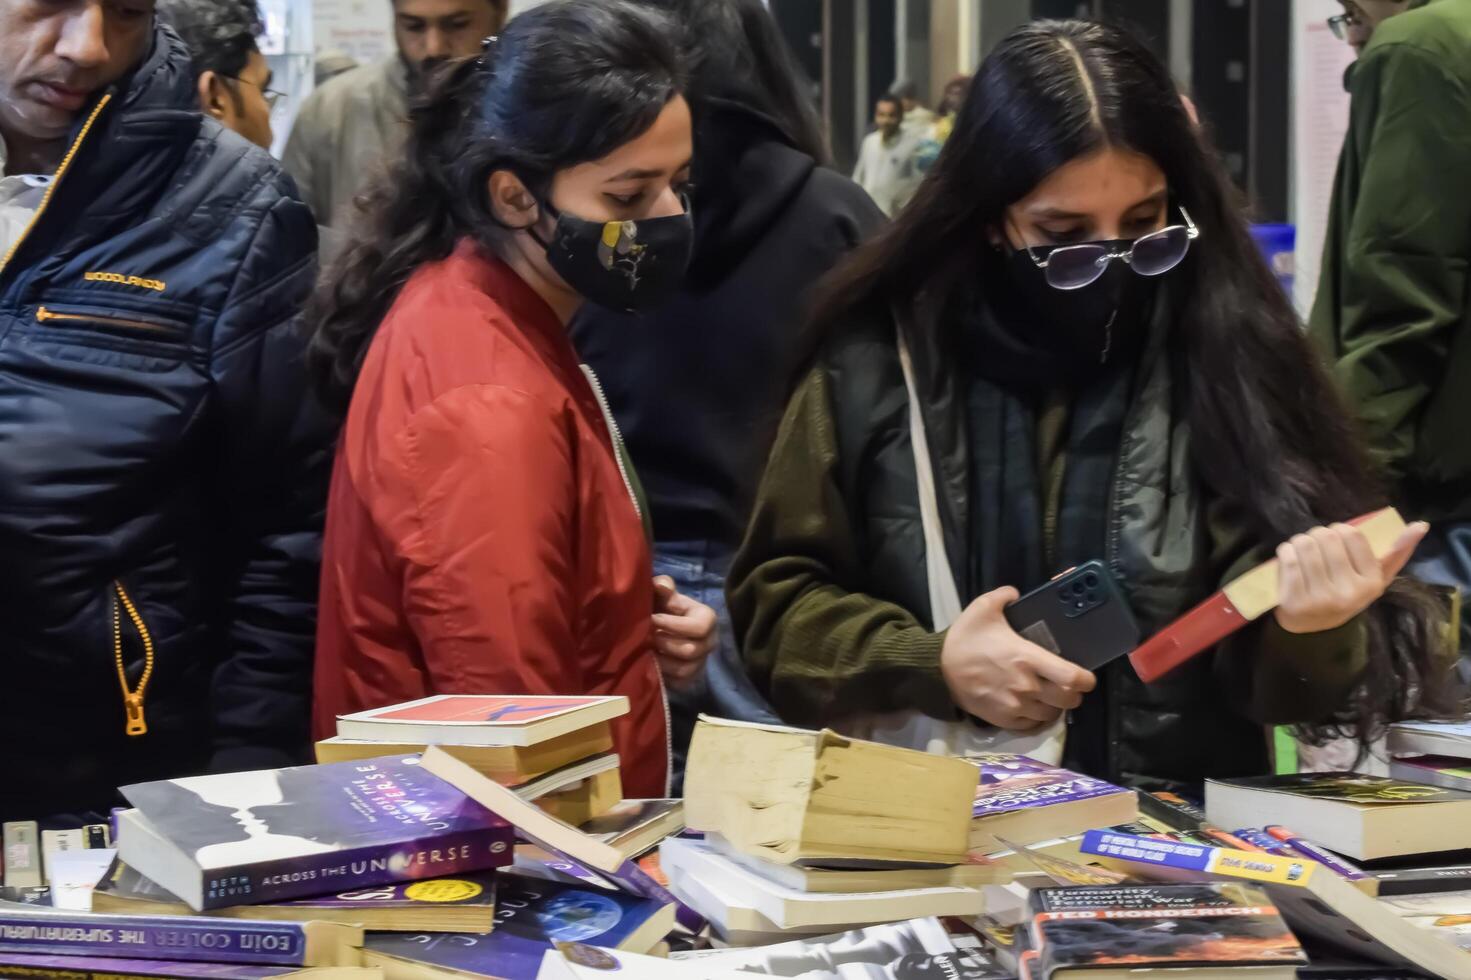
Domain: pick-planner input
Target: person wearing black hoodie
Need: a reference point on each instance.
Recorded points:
(699, 385)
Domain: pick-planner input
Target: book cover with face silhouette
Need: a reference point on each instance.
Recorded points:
(531, 916)
(1160, 926)
(276, 834)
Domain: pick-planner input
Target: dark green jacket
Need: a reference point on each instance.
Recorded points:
(829, 593)
(1392, 310)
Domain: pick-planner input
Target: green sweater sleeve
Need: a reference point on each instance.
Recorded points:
(815, 644)
(1395, 279)
(1276, 677)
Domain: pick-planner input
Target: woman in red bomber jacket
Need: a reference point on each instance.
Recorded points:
(484, 534)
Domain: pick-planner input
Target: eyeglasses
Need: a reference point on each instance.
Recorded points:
(271, 96)
(1076, 266)
(1340, 24)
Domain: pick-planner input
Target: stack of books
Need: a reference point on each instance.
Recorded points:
(810, 832)
(556, 751)
(586, 887)
(263, 874)
(1434, 752)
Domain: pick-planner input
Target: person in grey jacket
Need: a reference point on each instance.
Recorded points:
(352, 125)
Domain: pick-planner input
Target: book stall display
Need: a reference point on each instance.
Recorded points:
(486, 838)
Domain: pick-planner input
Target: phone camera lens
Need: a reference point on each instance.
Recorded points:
(1091, 580)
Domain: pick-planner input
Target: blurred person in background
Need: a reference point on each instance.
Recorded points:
(231, 75)
(162, 473)
(698, 385)
(888, 160)
(949, 107)
(917, 117)
(350, 128)
(1393, 310)
(1360, 17)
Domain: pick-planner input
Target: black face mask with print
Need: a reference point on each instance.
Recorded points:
(625, 266)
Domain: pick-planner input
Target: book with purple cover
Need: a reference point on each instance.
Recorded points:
(32, 966)
(268, 836)
(533, 915)
(463, 903)
(1016, 782)
(25, 930)
(1027, 800)
(555, 836)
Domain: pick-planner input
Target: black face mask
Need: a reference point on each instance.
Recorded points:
(626, 266)
(1083, 329)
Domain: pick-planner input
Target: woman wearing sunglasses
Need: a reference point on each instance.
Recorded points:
(1067, 349)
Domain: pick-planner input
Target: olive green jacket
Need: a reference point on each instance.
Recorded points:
(1393, 310)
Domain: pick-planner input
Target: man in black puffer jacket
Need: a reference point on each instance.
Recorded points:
(162, 469)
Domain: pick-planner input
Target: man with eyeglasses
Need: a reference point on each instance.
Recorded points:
(1393, 310)
(231, 75)
(162, 469)
(1359, 18)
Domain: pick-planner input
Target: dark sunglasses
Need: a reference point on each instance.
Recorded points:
(1076, 266)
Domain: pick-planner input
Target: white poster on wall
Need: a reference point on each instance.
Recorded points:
(1320, 118)
(360, 29)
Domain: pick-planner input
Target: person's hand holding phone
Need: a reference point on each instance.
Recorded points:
(1003, 679)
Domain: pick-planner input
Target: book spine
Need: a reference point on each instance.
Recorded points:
(339, 871)
(1182, 857)
(1262, 841)
(1417, 881)
(143, 937)
(1315, 853)
(115, 968)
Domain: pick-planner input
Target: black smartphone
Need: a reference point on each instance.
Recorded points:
(1082, 616)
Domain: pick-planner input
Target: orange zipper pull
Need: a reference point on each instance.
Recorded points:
(133, 704)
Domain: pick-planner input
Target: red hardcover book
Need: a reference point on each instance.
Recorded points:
(1242, 601)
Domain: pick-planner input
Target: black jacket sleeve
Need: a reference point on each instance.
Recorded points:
(273, 457)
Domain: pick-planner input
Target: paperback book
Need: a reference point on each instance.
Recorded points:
(464, 903)
(533, 916)
(274, 835)
(475, 719)
(1314, 900)
(198, 939)
(1364, 817)
(1205, 928)
(1026, 800)
(547, 832)
(24, 966)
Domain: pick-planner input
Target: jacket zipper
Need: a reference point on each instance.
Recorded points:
(61, 170)
(616, 436)
(43, 315)
(132, 697)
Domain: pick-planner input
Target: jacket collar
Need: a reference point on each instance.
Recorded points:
(472, 264)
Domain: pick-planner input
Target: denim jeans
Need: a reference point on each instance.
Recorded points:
(1444, 559)
(723, 690)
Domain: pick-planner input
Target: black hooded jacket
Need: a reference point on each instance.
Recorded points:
(699, 385)
(159, 450)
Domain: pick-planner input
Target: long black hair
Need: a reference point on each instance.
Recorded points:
(565, 83)
(736, 55)
(1269, 430)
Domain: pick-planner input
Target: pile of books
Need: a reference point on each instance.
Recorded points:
(486, 839)
(334, 870)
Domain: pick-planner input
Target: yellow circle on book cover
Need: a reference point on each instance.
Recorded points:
(443, 890)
